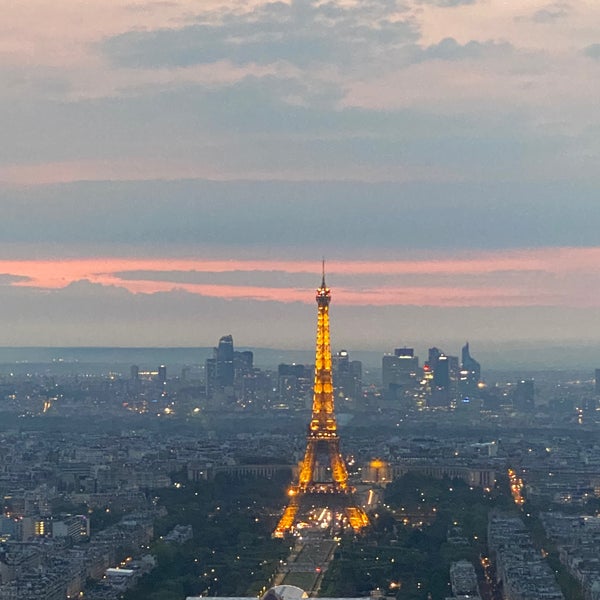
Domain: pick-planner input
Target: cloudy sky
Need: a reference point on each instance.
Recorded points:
(171, 171)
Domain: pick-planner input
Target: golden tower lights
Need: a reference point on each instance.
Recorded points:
(322, 435)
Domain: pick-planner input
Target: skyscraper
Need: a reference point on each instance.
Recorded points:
(400, 370)
(347, 375)
(294, 385)
(224, 357)
(439, 372)
(470, 373)
(243, 362)
(210, 376)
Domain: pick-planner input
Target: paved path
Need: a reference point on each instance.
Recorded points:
(307, 564)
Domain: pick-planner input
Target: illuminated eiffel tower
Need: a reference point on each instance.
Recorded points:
(322, 438)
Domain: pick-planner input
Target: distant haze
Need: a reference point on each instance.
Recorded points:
(517, 360)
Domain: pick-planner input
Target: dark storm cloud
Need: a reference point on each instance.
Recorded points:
(301, 33)
(336, 218)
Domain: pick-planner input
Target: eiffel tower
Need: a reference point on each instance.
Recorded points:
(322, 439)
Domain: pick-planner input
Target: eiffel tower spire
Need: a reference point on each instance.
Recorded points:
(322, 436)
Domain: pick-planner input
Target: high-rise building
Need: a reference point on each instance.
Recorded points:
(453, 374)
(243, 362)
(440, 384)
(404, 352)
(162, 374)
(244, 376)
(347, 375)
(597, 381)
(433, 356)
(294, 384)
(407, 367)
(340, 361)
(441, 374)
(224, 356)
(470, 374)
(400, 371)
(389, 371)
(210, 376)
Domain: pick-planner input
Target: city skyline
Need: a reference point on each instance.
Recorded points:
(187, 164)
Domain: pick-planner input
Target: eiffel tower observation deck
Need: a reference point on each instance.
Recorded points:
(322, 440)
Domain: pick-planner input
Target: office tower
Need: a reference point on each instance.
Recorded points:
(356, 368)
(389, 371)
(440, 384)
(355, 373)
(597, 381)
(340, 361)
(224, 358)
(347, 375)
(441, 375)
(322, 439)
(404, 352)
(433, 356)
(243, 362)
(453, 375)
(441, 372)
(162, 374)
(400, 370)
(210, 376)
(245, 383)
(134, 372)
(470, 374)
(294, 385)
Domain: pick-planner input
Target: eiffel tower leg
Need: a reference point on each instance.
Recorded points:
(338, 467)
(287, 519)
(357, 518)
(308, 465)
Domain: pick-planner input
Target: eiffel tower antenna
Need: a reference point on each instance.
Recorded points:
(322, 437)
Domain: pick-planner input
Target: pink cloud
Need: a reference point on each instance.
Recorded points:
(142, 168)
(562, 277)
